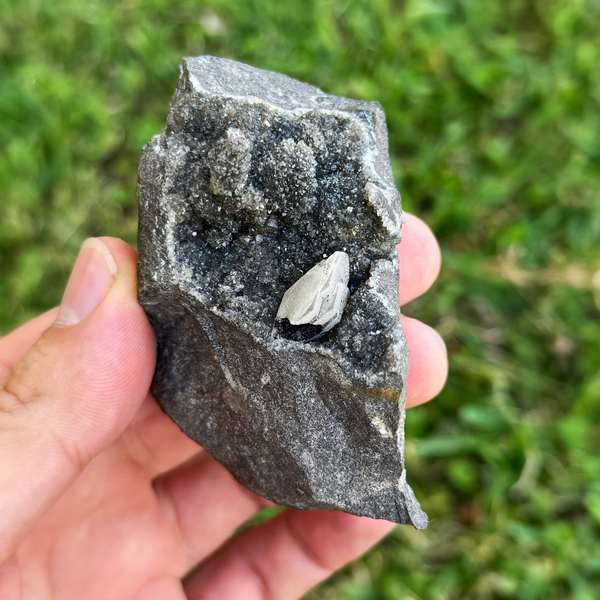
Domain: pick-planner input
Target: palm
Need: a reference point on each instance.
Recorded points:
(117, 529)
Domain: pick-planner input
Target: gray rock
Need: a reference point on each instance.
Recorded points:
(255, 180)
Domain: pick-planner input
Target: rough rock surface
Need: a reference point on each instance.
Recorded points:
(257, 178)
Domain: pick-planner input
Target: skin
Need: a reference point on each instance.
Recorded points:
(102, 497)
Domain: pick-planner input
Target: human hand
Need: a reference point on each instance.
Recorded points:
(103, 497)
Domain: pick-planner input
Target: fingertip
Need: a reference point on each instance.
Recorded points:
(126, 259)
(121, 251)
(126, 322)
(109, 355)
(428, 362)
(420, 259)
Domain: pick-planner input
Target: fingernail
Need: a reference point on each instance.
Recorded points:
(91, 278)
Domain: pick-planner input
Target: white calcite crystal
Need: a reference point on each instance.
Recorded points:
(319, 296)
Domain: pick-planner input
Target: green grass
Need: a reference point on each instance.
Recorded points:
(493, 111)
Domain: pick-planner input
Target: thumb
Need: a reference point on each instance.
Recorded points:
(75, 390)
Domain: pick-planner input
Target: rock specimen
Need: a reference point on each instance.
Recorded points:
(268, 268)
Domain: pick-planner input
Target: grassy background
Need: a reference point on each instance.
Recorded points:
(495, 137)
